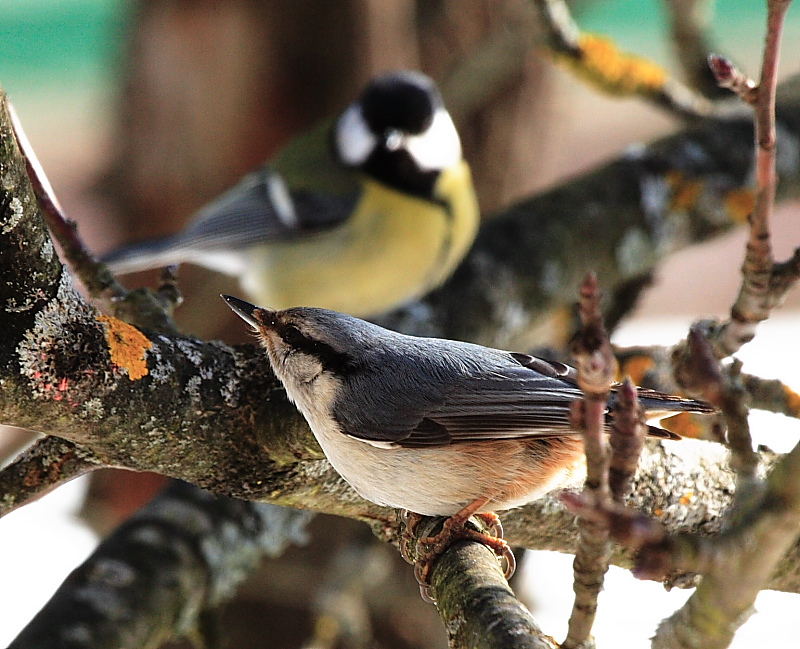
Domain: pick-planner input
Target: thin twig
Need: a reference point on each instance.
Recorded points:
(628, 432)
(596, 367)
(772, 395)
(758, 294)
(95, 276)
(698, 369)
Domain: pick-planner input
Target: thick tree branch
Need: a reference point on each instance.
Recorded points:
(160, 574)
(689, 25)
(477, 605)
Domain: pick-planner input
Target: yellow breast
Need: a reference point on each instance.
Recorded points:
(394, 248)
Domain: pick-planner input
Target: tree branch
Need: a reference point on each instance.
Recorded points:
(48, 464)
(477, 605)
(598, 61)
(759, 292)
(596, 367)
(689, 25)
(160, 574)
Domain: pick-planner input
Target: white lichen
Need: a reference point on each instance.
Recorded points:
(162, 369)
(193, 388)
(15, 213)
(93, 410)
(47, 250)
(634, 253)
(190, 349)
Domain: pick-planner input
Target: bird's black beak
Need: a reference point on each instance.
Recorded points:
(244, 310)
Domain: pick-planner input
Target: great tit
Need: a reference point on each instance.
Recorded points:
(384, 217)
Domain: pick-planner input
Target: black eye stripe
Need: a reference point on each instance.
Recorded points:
(337, 362)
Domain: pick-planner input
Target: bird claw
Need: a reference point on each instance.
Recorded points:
(492, 521)
(429, 548)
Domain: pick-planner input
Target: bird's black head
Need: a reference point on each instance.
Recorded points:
(399, 133)
(402, 101)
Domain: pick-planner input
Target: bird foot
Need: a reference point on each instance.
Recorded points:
(455, 528)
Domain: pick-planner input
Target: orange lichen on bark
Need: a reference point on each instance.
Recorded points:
(616, 72)
(685, 191)
(127, 345)
(635, 367)
(740, 203)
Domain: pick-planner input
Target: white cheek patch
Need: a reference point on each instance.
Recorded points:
(354, 140)
(437, 148)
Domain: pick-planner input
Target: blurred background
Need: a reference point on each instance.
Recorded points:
(141, 111)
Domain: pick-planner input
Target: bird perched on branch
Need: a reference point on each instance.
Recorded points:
(436, 427)
(382, 218)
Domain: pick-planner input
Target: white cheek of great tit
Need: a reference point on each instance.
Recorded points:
(439, 147)
(354, 139)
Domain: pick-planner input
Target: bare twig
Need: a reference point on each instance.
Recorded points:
(628, 433)
(728, 76)
(697, 368)
(598, 61)
(596, 367)
(49, 463)
(689, 24)
(94, 275)
(652, 367)
(772, 395)
(759, 294)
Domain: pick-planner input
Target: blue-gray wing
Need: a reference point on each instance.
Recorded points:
(499, 398)
(509, 403)
(257, 210)
(519, 398)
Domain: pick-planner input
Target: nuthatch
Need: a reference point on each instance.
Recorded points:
(436, 427)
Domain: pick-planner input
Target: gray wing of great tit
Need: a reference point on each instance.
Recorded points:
(506, 396)
(257, 210)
